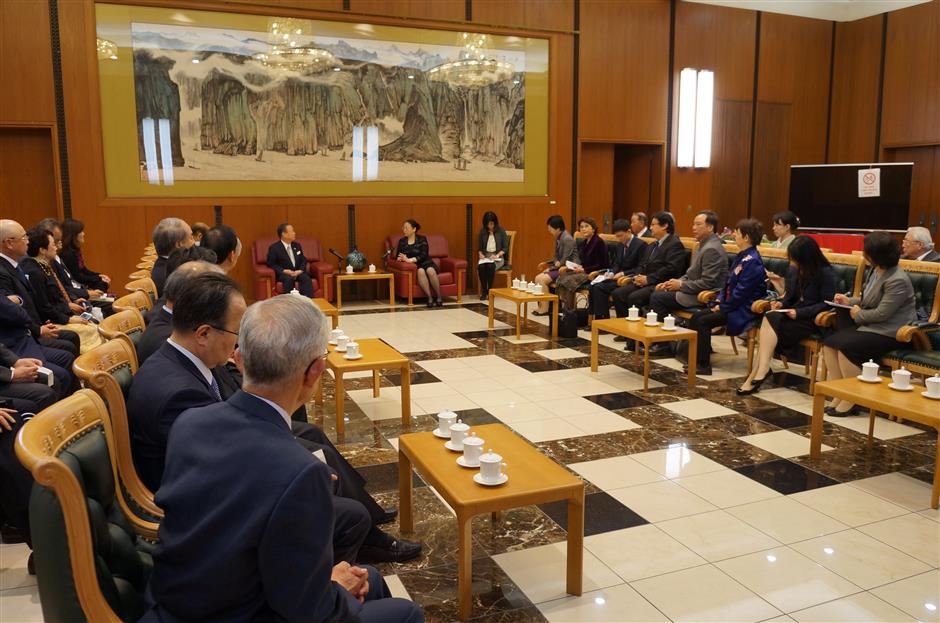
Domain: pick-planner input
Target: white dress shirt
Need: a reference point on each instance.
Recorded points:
(284, 415)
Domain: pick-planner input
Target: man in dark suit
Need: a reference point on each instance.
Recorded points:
(918, 245)
(638, 225)
(15, 334)
(664, 260)
(170, 233)
(248, 510)
(20, 385)
(631, 252)
(286, 258)
(16, 482)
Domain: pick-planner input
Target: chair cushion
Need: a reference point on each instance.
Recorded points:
(445, 278)
(929, 358)
(845, 277)
(925, 288)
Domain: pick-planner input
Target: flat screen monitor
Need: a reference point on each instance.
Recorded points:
(825, 196)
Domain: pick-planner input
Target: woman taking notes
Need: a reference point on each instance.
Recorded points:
(492, 245)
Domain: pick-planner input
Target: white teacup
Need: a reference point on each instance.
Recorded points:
(458, 432)
(491, 467)
(531, 288)
(515, 284)
(651, 318)
(523, 285)
(901, 378)
(352, 349)
(539, 289)
(334, 334)
(349, 270)
(472, 449)
(371, 268)
(445, 419)
(342, 342)
(933, 386)
(633, 312)
(870, 370)
(669, 322)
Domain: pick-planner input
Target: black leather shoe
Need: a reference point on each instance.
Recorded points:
(618, 338)
(855, 410)
(388, 516)
(11, 534)
(399, 550)
(30, 565)
(660, 349)
(755, 387)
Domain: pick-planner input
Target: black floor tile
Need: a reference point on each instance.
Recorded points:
(476, 417)
(618, 400)
(790, 381)
(602, 513)
(786, 477)
(384, 477)
(542, 366)
(417, 378)
(571, 342)
(470, 335)
(781, 417)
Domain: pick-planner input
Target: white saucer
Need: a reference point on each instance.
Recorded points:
(648, 324)
(450, 446)
(665, 328)
(861, 378)
(926, 395)
(478, 478)
(352, 357)
(633, 319)
(909, 388)
(332, 342)
(340, 350)
(441, 435)
(463, 463)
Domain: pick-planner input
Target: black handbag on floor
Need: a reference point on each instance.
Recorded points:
(568, 324)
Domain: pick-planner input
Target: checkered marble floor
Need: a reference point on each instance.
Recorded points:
(701, 505)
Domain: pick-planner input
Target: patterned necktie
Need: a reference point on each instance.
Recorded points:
(52, 273)
(214, 386)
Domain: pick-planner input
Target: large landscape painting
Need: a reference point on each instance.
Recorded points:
(381, 110)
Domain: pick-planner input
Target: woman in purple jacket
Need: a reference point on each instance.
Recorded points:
(593, 253)
(746, 284)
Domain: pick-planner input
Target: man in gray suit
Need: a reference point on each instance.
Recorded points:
(918, 245)
(707, 271)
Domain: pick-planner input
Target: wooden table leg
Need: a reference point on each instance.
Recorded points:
(405, 517)
(490, 311)
(375, 383)
(871, 427)
(318, 395)
(339, 293)
(693, 358)
(816, 428)
(935, 494)
(576, 542)
(594, 336)
(391, 291)
(335, 320)
(464, 567)
(518, 323)
(406, 395)
(646, 366)
(554, 305)
(496, 517)
(340, 406)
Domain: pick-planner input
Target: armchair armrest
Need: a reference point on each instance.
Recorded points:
(402, 267)
(262, 270)
(543, 266)
(917, 334)
(320, 269)
(760, 306)
(593, 274)
(707, 296)
(453, 265)
(826, 319)
(625, 280)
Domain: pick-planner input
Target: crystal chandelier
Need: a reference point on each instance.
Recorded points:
(472, 68)
(107, 50)
(290, 48)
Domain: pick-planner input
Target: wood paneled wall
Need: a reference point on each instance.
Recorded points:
(619, 53)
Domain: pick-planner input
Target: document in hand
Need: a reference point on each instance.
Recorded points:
(486, 260)
(834, 304)
(571, 265)
(602, 277)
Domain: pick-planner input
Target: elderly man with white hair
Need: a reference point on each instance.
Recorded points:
(170, 233)
(248, 520)
(918, 245)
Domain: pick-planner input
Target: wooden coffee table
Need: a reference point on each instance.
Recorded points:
(878, 397)
(364, 276)
(638, 331)
(533, 479)
(522, 299)
(328, 310)
(376, 355)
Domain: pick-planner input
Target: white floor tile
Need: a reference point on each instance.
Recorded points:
(717, 535)
(860, 558)
(623, 380)
(13, 573)
(426, 390)
(852, 609)
(617, 603)
(394, 442)
(456, 376)
(542, 391)
(557, 377)
(560, 353)
(496, 397)
(884, 428)
(519, 412)
(913, 534)
(698, 409)
(900, 489)
(918, 596)
(574, 405)
(782, 443)
(931, 513)
(787, 579)
(641, 552)
(848, 504)
(602, 422)
(703, 594)
(525, 338)
(726, 488)
(541, 572)
(364, 396)
(787, 397)
(388, 409)
(615, 473)
(661, 501)
(677, 461)
(547, 430)
(440, 365)
(21, 605)
(436, 404)
(786, 519)
(588, 387)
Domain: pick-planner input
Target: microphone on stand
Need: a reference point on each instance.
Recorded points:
(338, 256)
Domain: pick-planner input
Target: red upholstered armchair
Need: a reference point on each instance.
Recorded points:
(321, 273)
(453, 275)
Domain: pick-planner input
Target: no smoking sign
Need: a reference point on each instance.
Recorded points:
(869, 183)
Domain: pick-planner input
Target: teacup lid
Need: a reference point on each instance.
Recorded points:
(871, 362)
(473, 440)
(490, 457)
(459, 426)
(446, 413)
(902, 370)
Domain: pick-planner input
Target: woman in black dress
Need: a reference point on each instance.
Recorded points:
(810, 282)
(492, 244)
(73, 239)
(413, 248)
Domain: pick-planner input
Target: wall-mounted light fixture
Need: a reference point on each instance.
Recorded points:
(696, 98)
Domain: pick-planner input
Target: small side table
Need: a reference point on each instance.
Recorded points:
(522, 299)
(364, 276)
